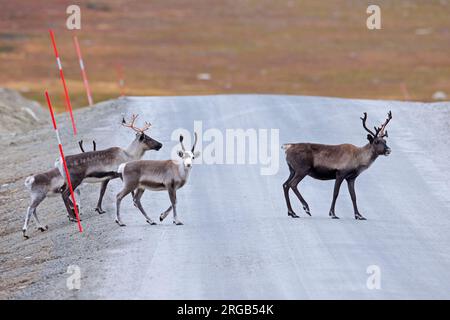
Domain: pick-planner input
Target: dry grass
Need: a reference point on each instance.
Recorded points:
(304, 47)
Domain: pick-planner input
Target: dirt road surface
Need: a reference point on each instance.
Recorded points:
(237, 241)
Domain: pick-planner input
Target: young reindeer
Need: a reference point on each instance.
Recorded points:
(101, 166)
(156, 175)
(328, 162)
(40, 186)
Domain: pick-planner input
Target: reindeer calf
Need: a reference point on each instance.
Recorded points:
(156, 175)
(42, 185)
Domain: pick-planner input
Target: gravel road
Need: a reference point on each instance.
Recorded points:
(237, 241)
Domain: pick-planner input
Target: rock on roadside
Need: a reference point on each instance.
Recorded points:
(18, 114)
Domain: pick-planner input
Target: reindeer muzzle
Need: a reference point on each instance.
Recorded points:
(387, 152)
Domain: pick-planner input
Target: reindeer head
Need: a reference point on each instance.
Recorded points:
(147, 142)
(376, 139)
(188, 156)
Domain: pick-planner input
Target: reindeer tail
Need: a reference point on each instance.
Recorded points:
(29, 182)
(121, 169)
(286, 146)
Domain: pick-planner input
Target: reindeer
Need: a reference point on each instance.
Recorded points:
(101, 166)
(154, 175)
(338, 162)
(40, 186)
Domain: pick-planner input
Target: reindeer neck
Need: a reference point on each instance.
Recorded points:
(367, 155)
(135, 150)
(184, 171)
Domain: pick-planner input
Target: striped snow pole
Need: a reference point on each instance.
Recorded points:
(61, 74)
(61, 152)
(405, 91)
(120, 79)
(83, 71)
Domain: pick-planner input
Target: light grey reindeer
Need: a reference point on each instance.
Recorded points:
(101, 166)
(156, 175)
(42, 185)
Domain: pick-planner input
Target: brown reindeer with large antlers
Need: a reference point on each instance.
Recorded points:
(101, 166)
(333, 162)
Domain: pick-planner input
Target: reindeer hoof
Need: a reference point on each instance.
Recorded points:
(42, 229)
(120, 223)
(24, 233)
(178, 223)
(307, 211)
(360, 218)
(293, 215)
(152, 223)
(100, 210)
(334, 217)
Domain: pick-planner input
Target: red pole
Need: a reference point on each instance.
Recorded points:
(121, 79)
(83, 71)
(61, 74)
(405, 91)
(61, 152)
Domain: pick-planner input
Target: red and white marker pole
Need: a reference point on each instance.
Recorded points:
(83, 71)
(61, 152)
(405, 91)
(120, 79)
(61, 74)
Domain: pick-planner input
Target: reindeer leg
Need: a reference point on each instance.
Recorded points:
(68, 202)
(173, 200)
(165, 214)
(134, 201)
(293, 185)
(35, 201)
(137, 202)
(100, 199)
(337, 186)
(286, 187)
(27, 220)
(78, 196)
(122, 194)
(69, 205)
(351, 190)
(41, 227)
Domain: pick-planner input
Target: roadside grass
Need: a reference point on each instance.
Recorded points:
(288, 47)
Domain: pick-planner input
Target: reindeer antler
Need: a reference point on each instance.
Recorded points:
(195, 141)
(381, 130)
(181, 142)
(364, 124)
(80, 143)
(147, 125)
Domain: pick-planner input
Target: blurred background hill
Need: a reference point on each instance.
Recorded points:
(192, 47)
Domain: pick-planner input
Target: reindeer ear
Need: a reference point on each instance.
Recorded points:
(180, 153)
(370, 138)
